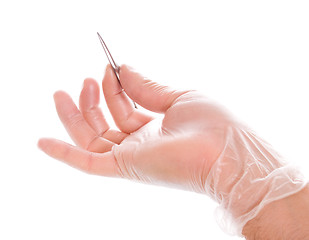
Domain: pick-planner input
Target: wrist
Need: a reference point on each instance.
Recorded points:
(248, 176)
(287, 218)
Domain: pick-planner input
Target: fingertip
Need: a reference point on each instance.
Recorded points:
(108, 66)
(53, 147)
(90, 94)
(59, 94)
(89, 81)
(109, 73)
(90, 85)
(110, 83)
(42, 143)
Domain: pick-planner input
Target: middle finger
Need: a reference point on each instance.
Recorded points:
(89, 106)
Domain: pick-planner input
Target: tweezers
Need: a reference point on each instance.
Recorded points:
(115, 67)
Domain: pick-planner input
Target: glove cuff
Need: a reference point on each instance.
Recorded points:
(248, 175)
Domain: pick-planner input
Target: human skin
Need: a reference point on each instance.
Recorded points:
(178, 151)
(287, 218)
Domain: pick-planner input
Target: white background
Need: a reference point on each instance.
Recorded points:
(251, 56)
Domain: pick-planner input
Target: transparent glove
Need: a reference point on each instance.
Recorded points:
(197, 145)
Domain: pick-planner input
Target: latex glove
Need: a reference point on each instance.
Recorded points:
(178, 150)
(198, 145)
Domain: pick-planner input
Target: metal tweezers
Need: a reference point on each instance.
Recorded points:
(115, 67)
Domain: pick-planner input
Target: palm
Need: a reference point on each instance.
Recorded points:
(178, 150)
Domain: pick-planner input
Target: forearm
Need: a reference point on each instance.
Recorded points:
(287, 218)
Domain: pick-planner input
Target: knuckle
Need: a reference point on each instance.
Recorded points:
(74, 120)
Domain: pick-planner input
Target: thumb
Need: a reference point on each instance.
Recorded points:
(148, 94)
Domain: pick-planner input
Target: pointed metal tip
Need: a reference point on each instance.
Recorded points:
(101, 39)
(115, 67)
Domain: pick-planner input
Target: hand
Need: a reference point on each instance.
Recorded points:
(178, 150)
(197, 145)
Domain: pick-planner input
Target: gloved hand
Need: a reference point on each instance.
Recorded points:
(198, 145)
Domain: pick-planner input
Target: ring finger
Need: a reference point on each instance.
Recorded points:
(77, 127)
